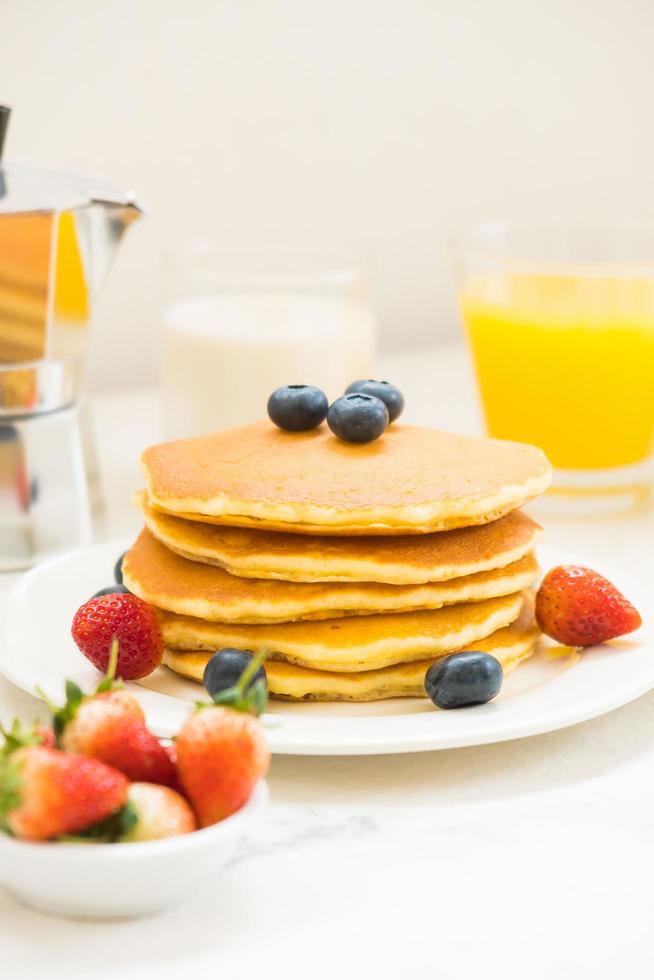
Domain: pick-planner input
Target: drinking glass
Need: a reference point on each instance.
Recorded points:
(237, 327)
(560, 325)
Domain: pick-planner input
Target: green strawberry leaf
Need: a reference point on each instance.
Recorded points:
(10, 791)
(107, 831)
(230, 696)
(245, 696)
(74, 695)
(128, 818)
(17, 737)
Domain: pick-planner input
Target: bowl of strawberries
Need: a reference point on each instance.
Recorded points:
(101, 819)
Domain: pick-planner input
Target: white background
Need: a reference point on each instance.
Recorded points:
(365, 126)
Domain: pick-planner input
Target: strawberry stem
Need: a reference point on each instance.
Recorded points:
(108, 682)
(61, 716)
(113, 659)
(249, 672)
(50, 705)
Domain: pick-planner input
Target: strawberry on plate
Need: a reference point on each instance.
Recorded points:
(578, 607)
(126, 618)
(46, 793)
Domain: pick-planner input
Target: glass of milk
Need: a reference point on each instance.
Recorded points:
(236, 328)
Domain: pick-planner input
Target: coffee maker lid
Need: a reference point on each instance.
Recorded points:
(25, 189)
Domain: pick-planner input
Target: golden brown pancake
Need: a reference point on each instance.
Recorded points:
(164, 579)
(511, 645)
(352, 643)
(410, 481)
(400, 560)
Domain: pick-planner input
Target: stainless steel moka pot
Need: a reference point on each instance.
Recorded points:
(58, 237)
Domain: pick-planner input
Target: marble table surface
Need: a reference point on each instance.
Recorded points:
(523, 859)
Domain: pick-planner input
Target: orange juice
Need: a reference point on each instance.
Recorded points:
(566, 361)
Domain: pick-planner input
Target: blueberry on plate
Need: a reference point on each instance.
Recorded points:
(118, 569)
(297, 408)
(387, 393)
(357, 417)
(224, 670)
(111, 590)
(470, 677)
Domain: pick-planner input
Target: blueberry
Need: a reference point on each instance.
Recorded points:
(111, 590)
(387, 393)
(471, 677)
(224, 669)
(357, 417)
(298, 408)
(118, 569)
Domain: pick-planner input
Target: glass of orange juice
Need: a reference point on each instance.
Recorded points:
(560, 324)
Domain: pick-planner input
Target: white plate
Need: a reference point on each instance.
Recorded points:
(545, 693)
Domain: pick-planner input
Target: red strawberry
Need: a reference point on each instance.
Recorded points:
(45, 793)
(105, 728)
(221, 755)
(221, 752)
(132, 622)
(109, 725)
(157, 812)
(579, 607)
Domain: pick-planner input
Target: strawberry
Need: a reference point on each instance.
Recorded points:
(221, 755)
(579, 607)
(221, 752)
(104, 728)
(157, 811)
(109, 725)
(45, 793)
(131, 621)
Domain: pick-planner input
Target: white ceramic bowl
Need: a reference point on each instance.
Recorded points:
(115, 880)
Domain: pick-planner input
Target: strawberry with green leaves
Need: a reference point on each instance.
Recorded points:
(221, 751)
(110, 725)
(45, 793)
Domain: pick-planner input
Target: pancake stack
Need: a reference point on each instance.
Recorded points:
(353, 566)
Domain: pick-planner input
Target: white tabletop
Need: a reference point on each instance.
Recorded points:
(524, 859)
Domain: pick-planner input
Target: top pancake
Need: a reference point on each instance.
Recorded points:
(397, 560)
(410, 481)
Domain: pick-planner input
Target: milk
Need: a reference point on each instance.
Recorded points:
(225, 352)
